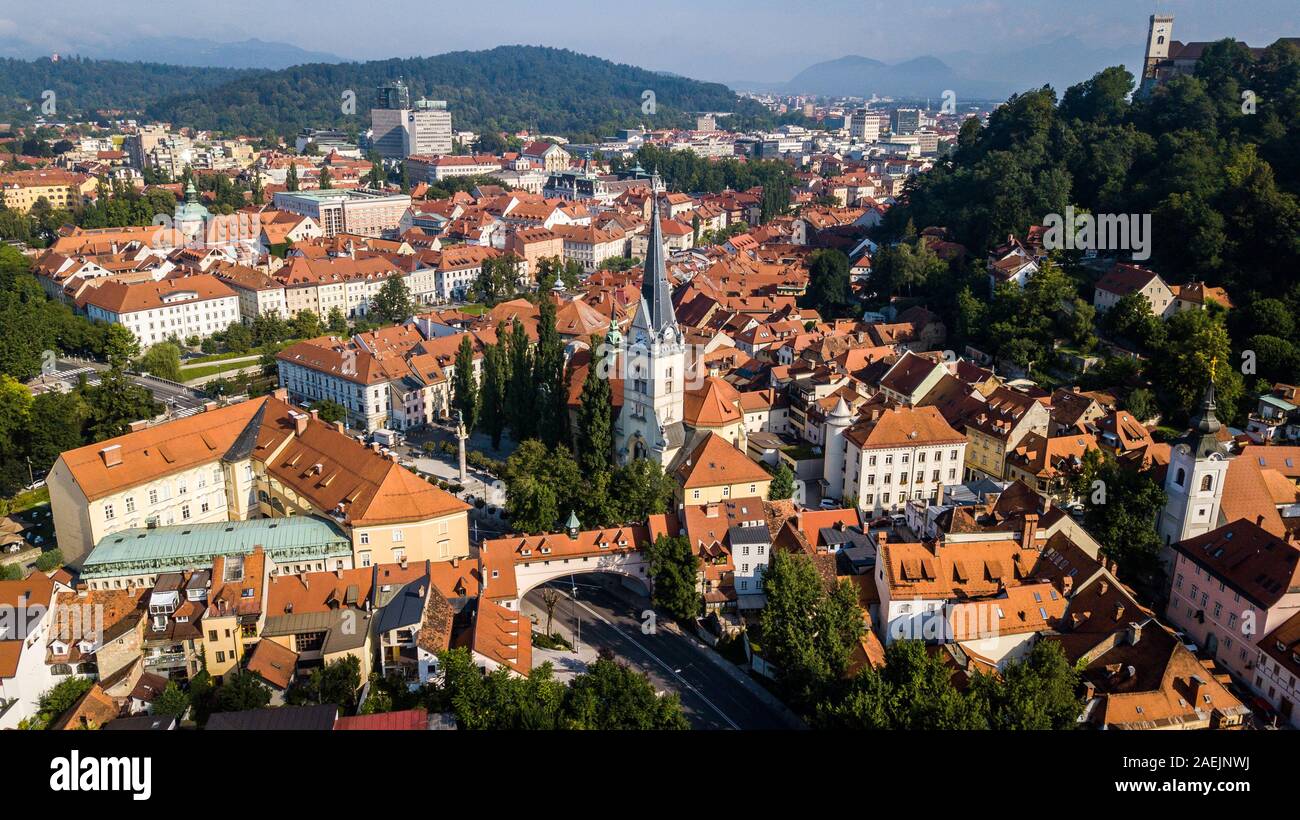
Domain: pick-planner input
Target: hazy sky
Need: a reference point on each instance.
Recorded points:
(725, 40)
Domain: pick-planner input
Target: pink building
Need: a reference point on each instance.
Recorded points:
(1231, 586)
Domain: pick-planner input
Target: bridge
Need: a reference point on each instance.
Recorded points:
(515, 564)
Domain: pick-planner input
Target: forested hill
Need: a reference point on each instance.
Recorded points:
(83, 86)
(1217, 168)
(548, 90)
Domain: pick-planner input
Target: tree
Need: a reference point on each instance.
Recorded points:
(1119, 512)
(114, 403)
(550, 598)
(595, 436)
(239, 691)
(239, 339)
(268, 329)
(542, 487)
(1142, 404)
(1196, 350)
(291, 177)
(674, 568)
(1038, 692)
(914, 691)
(782, 486)
(305, 325)
(330, 410)
(464, 385)
(521, 400)
(58, 699)
(172, 702)
(495, 379)
(325, 182)
(640, 489)
(162, 360)
(393, 302)
(612, 696)
(336, 682)
(337, 322)
(49, 560)
(808, 632)
(829, 290)
(551, 401)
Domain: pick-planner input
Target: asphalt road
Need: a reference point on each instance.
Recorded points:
(711, 698)
(179, 400)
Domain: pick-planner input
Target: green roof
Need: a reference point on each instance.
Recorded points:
(160, 549)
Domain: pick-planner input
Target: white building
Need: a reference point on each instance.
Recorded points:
(198, 305)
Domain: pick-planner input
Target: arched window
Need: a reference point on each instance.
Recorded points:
(1181, 478)
(1160, 40)
(1207, 484)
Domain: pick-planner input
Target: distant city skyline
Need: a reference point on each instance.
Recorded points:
(728, 41)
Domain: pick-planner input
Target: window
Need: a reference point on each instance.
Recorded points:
(153, 496)
(221, 657)
(130, 504)
(185, 512)
(1207, 483)
(398, 535)
(1180, 477)
(365, 538)
(108, 512)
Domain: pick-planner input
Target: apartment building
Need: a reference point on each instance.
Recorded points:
(891, 456)
(260, 458)
(20, 190)
(198, 305)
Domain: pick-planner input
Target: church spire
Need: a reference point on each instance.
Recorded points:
(1201, 439)
(655, 291)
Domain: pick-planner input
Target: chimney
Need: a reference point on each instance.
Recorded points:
(1119, 610)
(209, 405)
(83, 591)
(338, 425)
(137, 426)
(455, 562)
(1259, 520)
(1194, 685)
(401, 563)
(1029, 531)
(420, 591)
(1067, 584)
(112, 455)
(1134, 633)
(280, 393)
(1047, 502)
(299, 422)
(374, 445)
(338, 573)
(882, 538)
(315, 414)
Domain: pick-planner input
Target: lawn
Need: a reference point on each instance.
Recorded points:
(188, 373)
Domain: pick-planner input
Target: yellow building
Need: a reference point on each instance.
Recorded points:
(716, 470)
(258, 459)
(61, 189)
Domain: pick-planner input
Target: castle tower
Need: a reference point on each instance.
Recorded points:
(650, 423)
(1194, 482)
(1160, 33)
(840, 419)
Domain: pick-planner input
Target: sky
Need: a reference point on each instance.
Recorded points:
(720, 40)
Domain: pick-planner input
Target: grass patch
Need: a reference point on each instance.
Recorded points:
(552, 641)
(32, 498)
(474, 310)
(199, 372)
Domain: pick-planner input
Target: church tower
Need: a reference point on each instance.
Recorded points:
(1198, 466)
(650, 423)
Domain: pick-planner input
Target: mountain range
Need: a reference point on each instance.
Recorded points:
(1061, 62)
(183, 51)
(508, 88)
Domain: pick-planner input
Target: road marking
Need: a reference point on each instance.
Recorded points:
(659, 661)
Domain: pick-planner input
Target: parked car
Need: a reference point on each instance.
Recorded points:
(829, 504)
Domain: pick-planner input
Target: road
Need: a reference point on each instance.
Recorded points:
(711, 698)
(179, 400)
